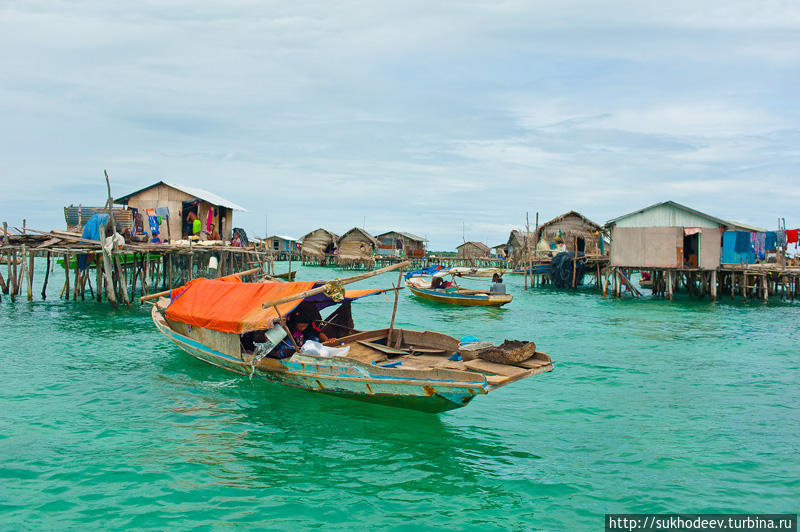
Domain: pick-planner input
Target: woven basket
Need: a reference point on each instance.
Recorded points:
(509, 352)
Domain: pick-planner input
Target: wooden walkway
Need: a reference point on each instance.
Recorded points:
(122, 273)
(752, 282)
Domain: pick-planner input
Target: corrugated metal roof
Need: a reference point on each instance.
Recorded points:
(409, 236)
(282, 237)
(199, 193)
(479, 245)
(669, 204)
(745, 227)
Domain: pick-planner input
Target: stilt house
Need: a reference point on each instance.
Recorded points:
(473, 250)
(356, 246)
(576, 231)
(318, 243)
(667, 235)
(178, 205)
(518, 246)
(282, 244)
(395, 242)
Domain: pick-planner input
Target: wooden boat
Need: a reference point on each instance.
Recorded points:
(288, 276)
(478, 273)
(421, 287)
(395, 367)
(125, 258)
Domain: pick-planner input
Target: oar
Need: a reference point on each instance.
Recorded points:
(346, 280)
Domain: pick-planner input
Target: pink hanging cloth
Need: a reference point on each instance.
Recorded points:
(210, 219)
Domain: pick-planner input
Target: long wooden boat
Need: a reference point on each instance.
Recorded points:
(425, 371)
(421, 287)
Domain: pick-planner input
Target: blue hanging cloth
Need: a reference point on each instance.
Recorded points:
(770, 240)
(154, 229)
(91, 231)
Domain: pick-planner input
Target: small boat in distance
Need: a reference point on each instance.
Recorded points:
(224, 323)
(421, 286)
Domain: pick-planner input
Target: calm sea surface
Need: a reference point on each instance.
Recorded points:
(652, 407)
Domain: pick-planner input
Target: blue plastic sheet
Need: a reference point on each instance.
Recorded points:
(91, 231)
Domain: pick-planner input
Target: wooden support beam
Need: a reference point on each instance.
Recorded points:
(713, 285)
(107, 265)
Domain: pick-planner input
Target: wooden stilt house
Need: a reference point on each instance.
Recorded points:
(518, 248)
(317, 247)
(397, 243)
(572, 229)
(357, 248)
(177, 206)
(473, 250)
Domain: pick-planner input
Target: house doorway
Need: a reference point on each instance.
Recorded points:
(581, 245)
(691, 250)
(188, 215)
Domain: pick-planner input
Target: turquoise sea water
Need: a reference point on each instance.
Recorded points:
(652, 407)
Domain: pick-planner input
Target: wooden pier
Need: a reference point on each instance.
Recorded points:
(753, 282)
(119, 274)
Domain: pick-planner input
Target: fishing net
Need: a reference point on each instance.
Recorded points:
(561, 269)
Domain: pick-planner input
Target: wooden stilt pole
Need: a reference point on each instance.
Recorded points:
(123, 281)
(107, 265)
(66, 275)
(98, 270)
(75, 280)
(29, 275)
(46, 277)
(6, 242)
(713, 286)
(394, 308)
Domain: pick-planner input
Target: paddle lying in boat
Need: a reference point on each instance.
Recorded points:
(421, 286)
(224, 323)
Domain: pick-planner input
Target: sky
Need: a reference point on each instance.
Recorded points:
(451, 120)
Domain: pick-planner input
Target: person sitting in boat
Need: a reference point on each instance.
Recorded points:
(304, 325)
(498, 287)
(440, 283)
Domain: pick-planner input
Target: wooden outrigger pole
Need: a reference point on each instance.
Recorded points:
(167, 292)
(346, 280)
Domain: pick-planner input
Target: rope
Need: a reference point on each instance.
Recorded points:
(334, 290)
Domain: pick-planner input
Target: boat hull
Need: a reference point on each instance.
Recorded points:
(339, 376)
(478, 300)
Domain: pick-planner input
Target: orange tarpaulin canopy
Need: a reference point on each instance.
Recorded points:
(229, 305)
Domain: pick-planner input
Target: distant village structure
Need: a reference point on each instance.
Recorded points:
(177, 206)
(397, 244)
(282, 247)
(577, 232)
(317, 246)
(356, 248)
(473, 250)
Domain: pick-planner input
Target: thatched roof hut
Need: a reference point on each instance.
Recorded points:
(519, 245)
(318, 243)
(357, 244)
(577, 232)
(473, 250)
